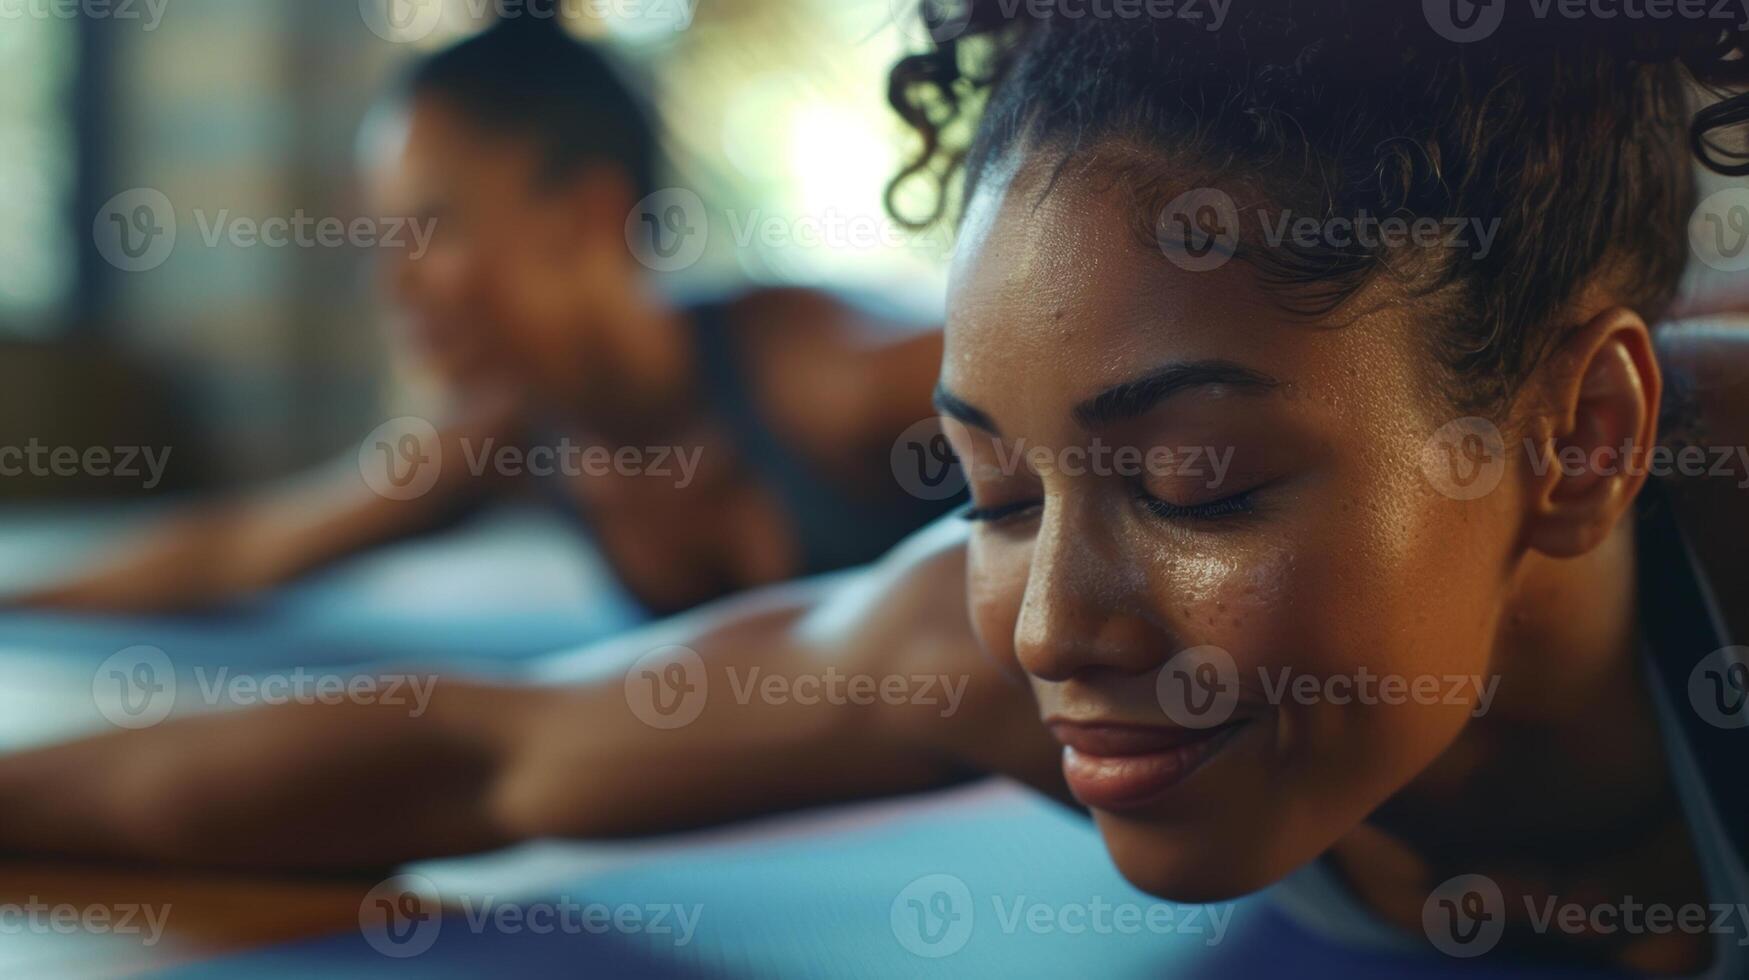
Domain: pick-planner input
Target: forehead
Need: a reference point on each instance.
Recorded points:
(1055, 289)
(441, 143)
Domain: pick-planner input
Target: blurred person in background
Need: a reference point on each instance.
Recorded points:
(1078, 609)
(776, 409)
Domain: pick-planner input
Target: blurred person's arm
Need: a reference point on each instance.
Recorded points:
(363, 787)
(230, 549)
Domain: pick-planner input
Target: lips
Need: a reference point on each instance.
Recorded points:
(1125, 767)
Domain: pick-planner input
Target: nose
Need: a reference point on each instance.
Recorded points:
(1085, 606)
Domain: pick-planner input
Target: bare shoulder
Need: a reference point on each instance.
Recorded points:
(906, 617)
(1706, 431)
(907, 609)
(840, 372)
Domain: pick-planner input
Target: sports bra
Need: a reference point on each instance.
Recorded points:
(835, 529)
(1683, 626)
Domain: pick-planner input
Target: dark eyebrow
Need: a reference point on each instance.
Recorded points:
(949, 404)
(1133, 398)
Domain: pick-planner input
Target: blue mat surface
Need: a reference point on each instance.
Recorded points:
(985, 882)
(1024, 883)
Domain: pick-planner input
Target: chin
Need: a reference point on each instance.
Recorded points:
(1196, 865)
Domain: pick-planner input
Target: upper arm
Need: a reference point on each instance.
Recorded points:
(866, 683)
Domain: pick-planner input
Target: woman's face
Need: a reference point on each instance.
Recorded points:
(1200, 628)
(512, 265)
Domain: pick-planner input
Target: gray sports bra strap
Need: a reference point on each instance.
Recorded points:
(835, 530)
(1684, 641)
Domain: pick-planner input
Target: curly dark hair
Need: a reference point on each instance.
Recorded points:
(1577, 137)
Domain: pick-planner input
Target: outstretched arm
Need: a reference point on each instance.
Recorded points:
(354, 787)
(233, 548)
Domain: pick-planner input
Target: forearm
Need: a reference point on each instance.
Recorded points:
(595, 751)
(767, 731)
(229, 549)
(299, 787)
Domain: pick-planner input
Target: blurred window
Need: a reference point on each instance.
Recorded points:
(38, 257)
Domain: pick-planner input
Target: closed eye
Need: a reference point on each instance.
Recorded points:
(1001, 512)
(1236, 504)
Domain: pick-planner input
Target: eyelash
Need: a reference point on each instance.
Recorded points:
(1213, 510)
(997, 514)
(1239, 503)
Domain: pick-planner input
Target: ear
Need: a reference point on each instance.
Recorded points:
(1590, 441)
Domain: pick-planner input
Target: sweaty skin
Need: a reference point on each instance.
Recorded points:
(1329, 552)
(1067, 607)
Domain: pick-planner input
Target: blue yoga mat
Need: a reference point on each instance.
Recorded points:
(1023, 880)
